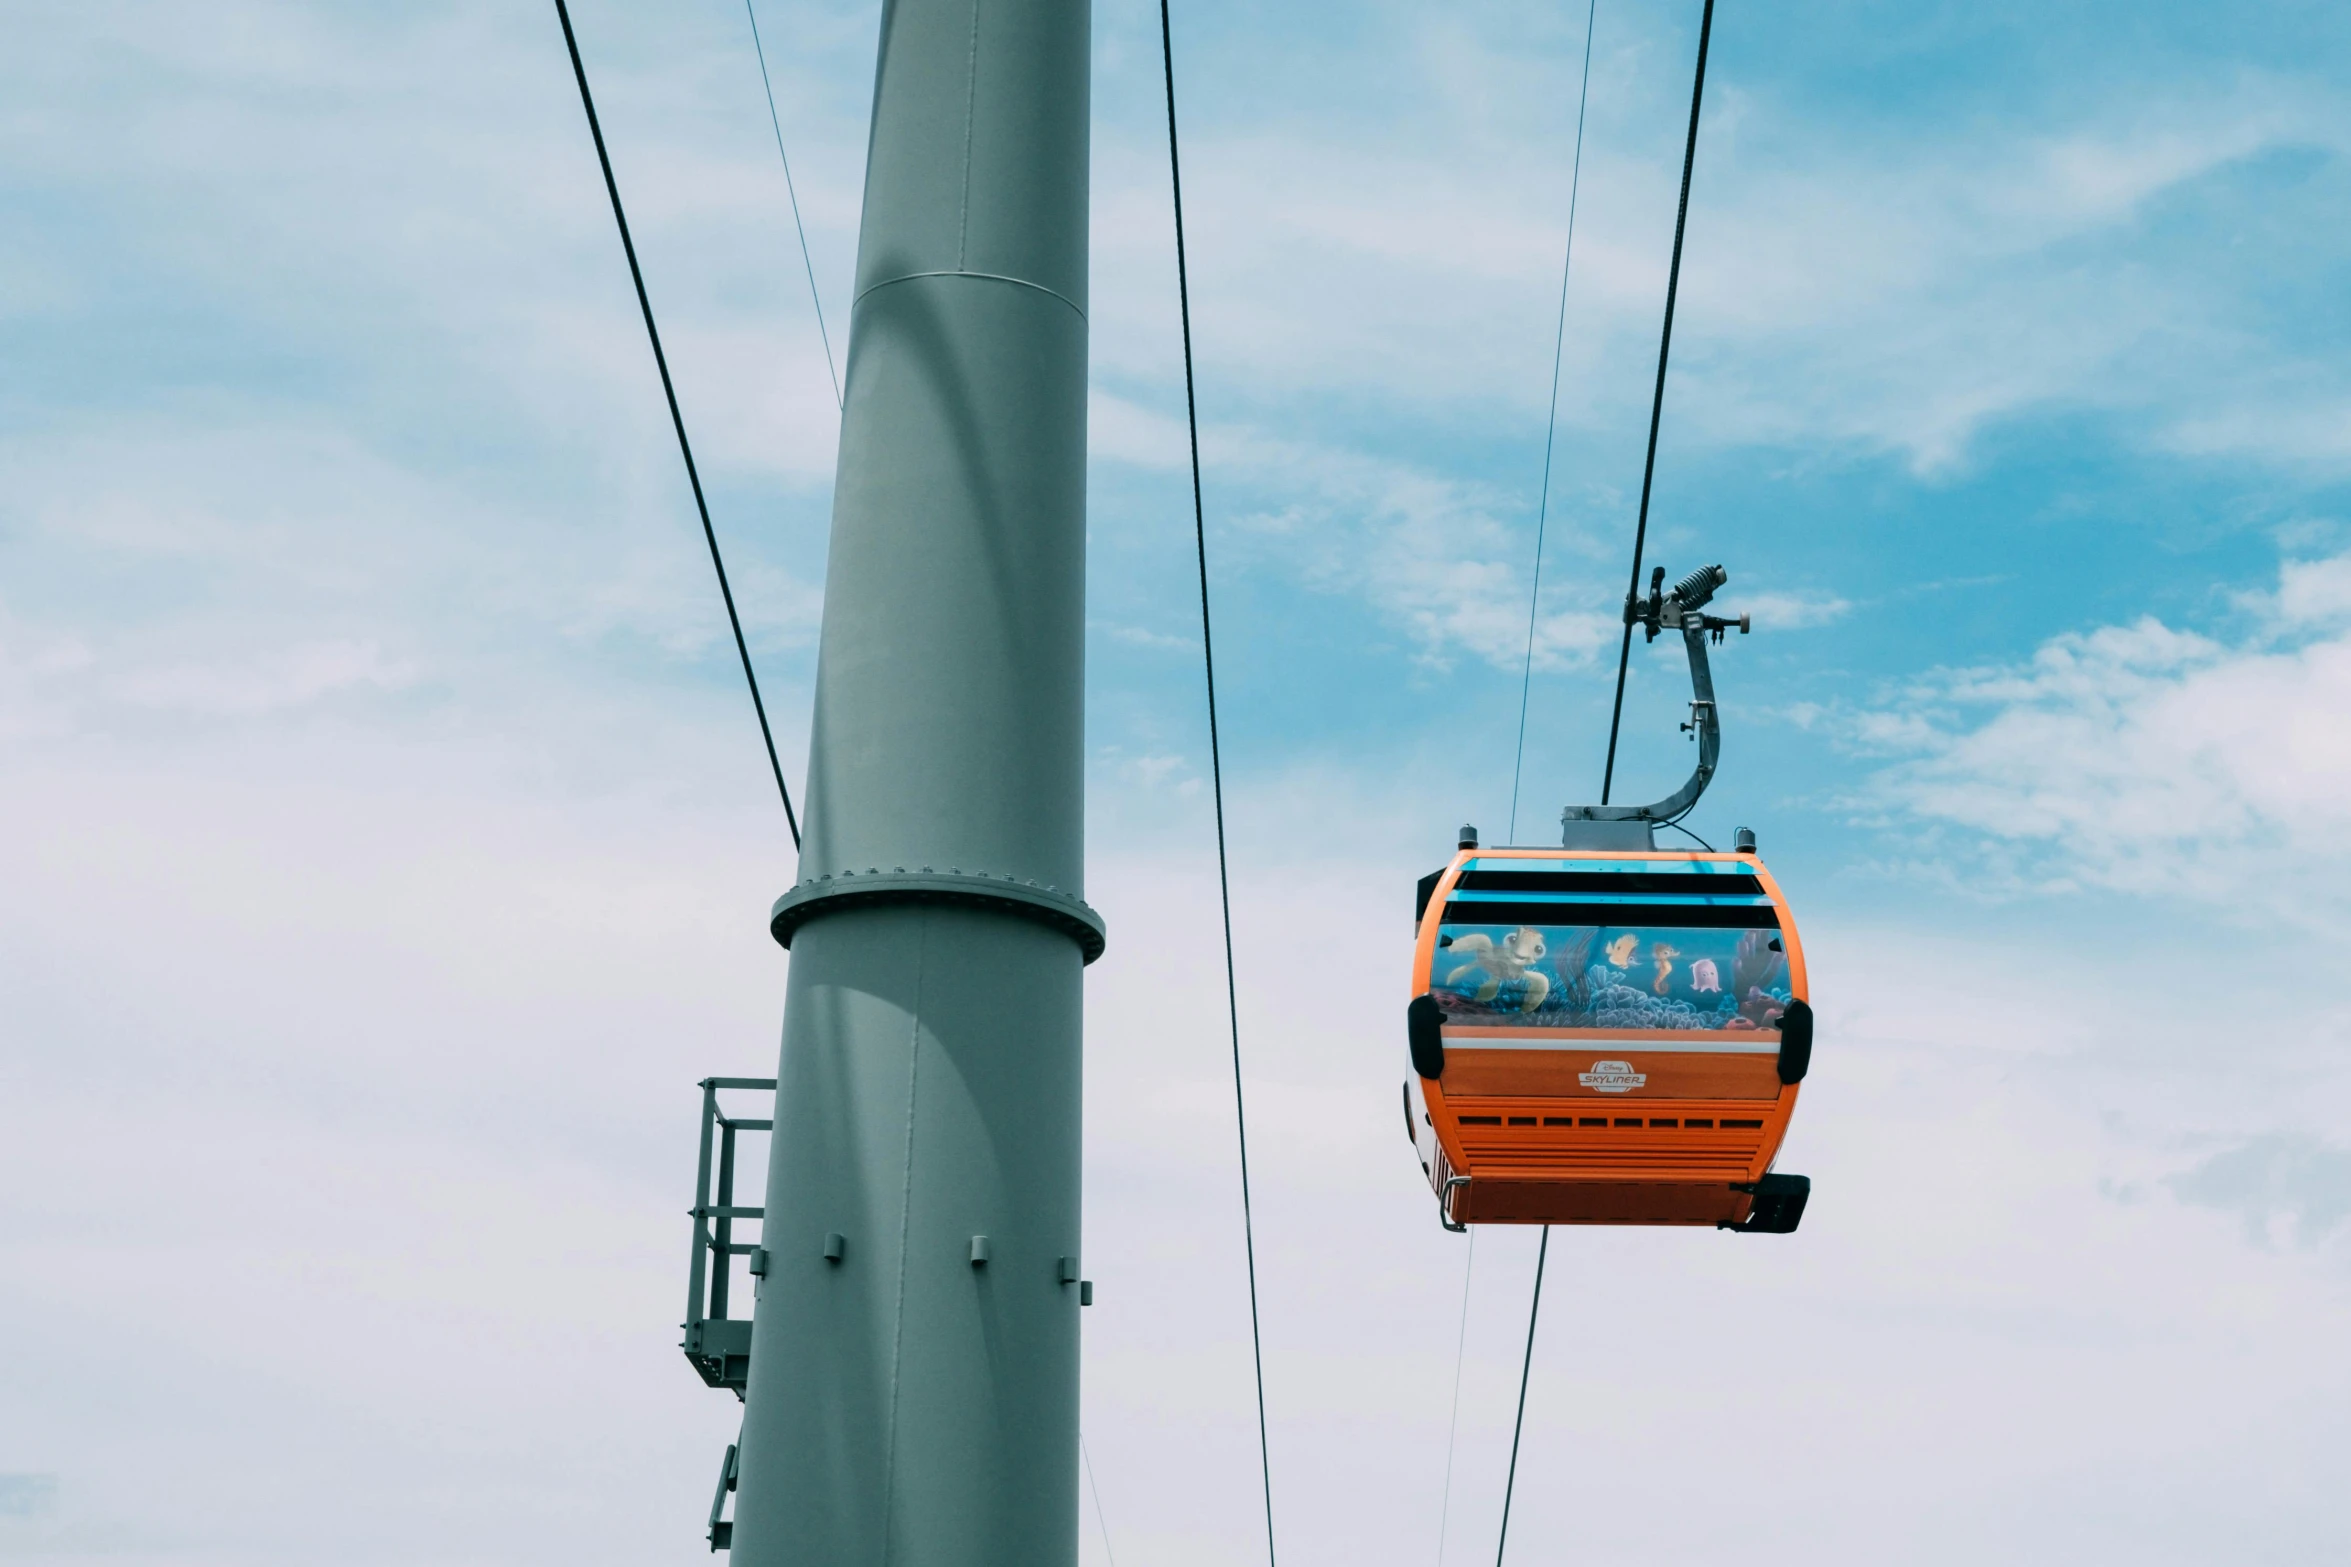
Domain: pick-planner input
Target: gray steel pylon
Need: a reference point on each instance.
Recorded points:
(914, 1399)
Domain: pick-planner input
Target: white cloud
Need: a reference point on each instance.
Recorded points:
(1772, 611)
(1152, 774)
(1444, 561)
(1430, 555)
(1121, 430)
(1144, 636)
(2147, 758)
(2277, 426)
(2290, 1188)
(2314, 591)
(1853, 279)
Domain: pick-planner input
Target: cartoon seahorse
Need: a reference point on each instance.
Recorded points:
(1620, 951)
(1503, 962)
(1663, 956)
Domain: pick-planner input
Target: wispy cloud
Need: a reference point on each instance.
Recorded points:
(2286, 1188)
(2149, 758)
(1144, 636)
(1449, 562)
(1776, 611)
(1443, 561)
(1854, 278)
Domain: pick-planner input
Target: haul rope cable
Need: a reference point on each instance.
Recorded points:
(791, 191)
(1673, 279)
(676, 419)
(1224, 887)
(1525, 1368)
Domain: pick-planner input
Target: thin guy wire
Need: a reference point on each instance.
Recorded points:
(1526, 680)
(1453, 1424)
(676, 419)
(1673, 280)
(1101, 1520)
(1542, 1255)
(1526, 684)
(1224, 888)
(774, 120)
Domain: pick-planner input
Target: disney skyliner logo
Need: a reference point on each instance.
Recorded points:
(1612, 1077)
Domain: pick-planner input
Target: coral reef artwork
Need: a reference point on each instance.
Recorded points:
(1629, 977)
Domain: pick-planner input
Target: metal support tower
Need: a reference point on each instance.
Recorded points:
(913, 1389)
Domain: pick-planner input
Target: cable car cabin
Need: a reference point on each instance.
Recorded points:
(1605, 1033)
(1607, 1036)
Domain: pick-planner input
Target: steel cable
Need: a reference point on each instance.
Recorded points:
(1525, 1369)
(1673, 282)
(1673, 279)
(776, 121)
(1453, 1422)
(676, 419)
(1224, 888)
(1526, 681)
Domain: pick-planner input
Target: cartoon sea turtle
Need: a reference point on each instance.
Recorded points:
(1503, 962)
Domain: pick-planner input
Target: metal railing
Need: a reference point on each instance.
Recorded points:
(717, 1345)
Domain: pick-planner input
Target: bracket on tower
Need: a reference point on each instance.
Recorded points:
(717, 1345)
(722, 1528)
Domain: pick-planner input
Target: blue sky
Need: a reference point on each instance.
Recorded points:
(393, 843)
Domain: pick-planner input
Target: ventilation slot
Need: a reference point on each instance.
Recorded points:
(1618, 1159)
(1522, 1139)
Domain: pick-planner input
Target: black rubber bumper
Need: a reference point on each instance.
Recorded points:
(1779, 1205)
(1424, 1027)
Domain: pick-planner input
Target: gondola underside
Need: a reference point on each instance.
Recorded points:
(1539, 1156)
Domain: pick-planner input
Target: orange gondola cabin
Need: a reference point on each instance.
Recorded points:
(1608, 1033)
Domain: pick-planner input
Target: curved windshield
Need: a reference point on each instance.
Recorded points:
(1611, 976)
